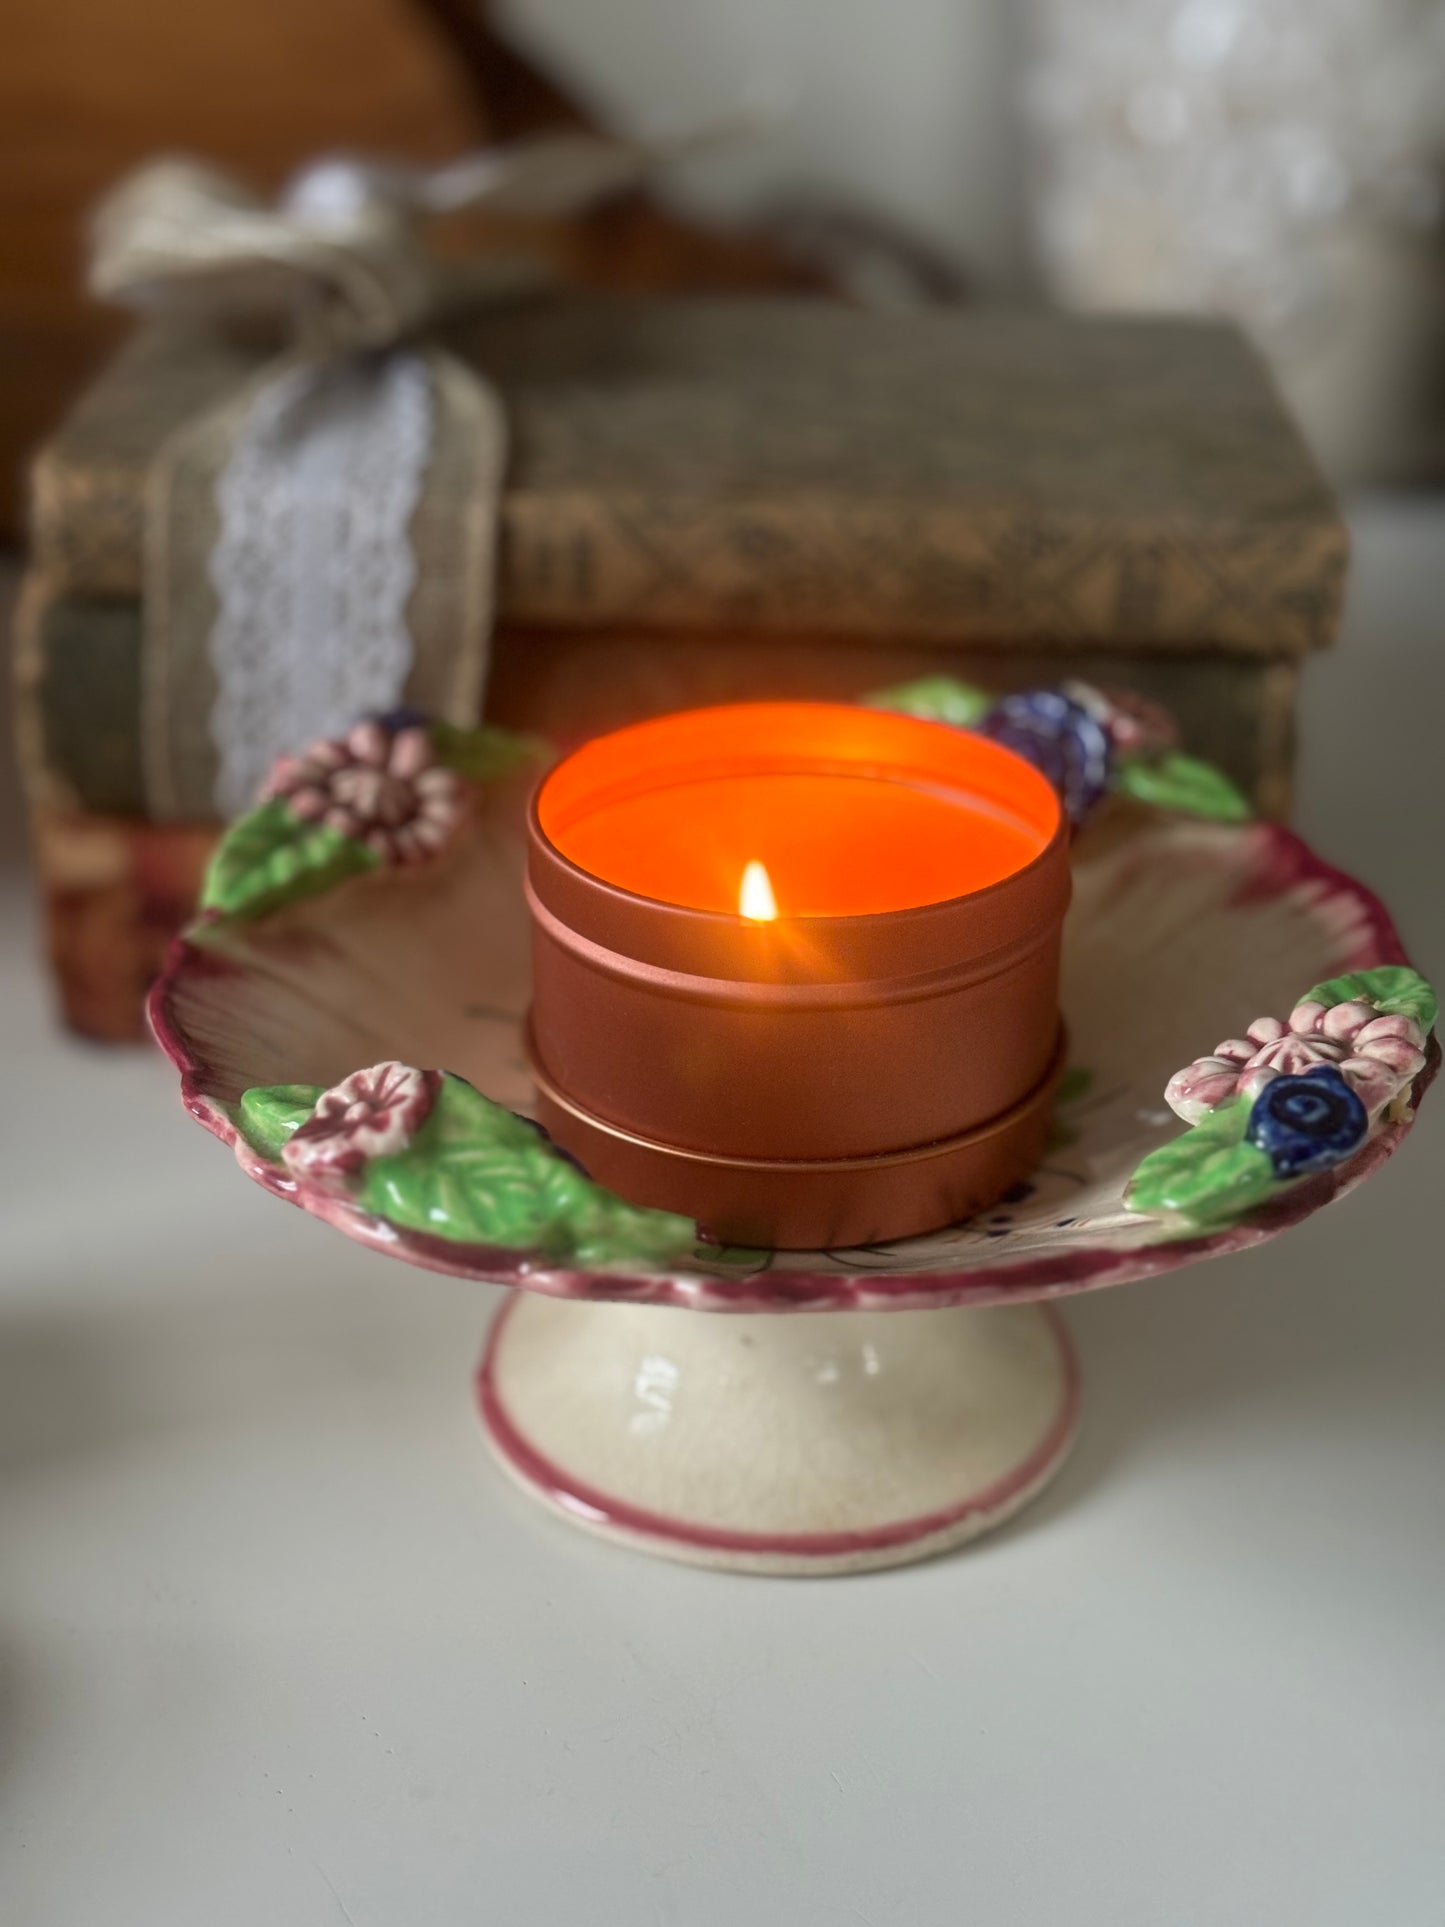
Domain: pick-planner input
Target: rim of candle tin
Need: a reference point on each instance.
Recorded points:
(791, 736)
(583, 908)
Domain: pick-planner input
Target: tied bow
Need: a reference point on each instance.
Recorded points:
(346, 249)
(321, 540)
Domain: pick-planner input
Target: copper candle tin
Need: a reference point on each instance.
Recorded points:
(822, 1080)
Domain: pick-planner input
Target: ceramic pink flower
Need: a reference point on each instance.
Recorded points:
(370, 1114)
(382, 786)
(1202, 1086)
(1134, 725)
(1377, 1056)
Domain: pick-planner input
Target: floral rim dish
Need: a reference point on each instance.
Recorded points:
(347, 1014)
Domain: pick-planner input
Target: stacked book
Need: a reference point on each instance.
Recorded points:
(709, 500)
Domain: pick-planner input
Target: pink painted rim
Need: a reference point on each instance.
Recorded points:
(1285, 861)
(593, 1507)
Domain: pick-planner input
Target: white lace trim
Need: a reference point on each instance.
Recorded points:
(314, 565)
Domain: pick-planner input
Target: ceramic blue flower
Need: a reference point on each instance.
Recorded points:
(1307, 1123)
(393, 721)
(1060, 737)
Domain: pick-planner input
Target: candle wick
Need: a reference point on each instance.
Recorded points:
(755, 898)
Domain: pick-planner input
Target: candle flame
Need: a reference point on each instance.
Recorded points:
(755, 898)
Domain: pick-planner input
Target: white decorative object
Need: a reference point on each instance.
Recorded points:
(1277, 160)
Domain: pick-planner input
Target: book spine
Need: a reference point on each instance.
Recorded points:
(932, 573)
(80, 688)
(86, 528)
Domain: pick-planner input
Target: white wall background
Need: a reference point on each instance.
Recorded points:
(903, 107)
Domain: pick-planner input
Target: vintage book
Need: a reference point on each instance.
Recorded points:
(79, 665)
(782, 465)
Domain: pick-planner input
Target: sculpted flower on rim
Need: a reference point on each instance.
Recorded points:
(381, 786)
(371, 1114)
(1377, 1056)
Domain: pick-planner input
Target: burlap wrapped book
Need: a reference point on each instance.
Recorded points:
(712, 499)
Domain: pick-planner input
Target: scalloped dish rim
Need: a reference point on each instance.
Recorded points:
(1025, 1279)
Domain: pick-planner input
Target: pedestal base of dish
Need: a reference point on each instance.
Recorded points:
(824, 1443)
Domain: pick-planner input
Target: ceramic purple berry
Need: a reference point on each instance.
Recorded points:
(1085, 740)
(1060, 737)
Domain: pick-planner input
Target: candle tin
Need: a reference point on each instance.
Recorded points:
(820, 1080)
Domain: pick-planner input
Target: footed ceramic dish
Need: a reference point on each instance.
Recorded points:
(347, 1013)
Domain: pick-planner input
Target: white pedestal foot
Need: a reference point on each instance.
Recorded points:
(809, 1443)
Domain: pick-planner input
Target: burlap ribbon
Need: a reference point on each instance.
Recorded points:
(324, 541)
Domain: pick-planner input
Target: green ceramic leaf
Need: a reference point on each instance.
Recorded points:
(269, 858)
(1394, 989)
(734, 1257)
(937, 699)
(269, 1114)
(485, 754)
(478, 1173)
(1075, 1083)
(1182, 783)
(1209, 1175)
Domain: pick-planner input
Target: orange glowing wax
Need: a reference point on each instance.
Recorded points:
(849, 811)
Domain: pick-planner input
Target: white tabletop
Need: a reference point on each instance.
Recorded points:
(280, 1648)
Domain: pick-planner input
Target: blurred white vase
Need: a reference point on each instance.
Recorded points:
(1276, 160)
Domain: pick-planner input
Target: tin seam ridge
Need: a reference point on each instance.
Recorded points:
(689, 986)
(868, 1161)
